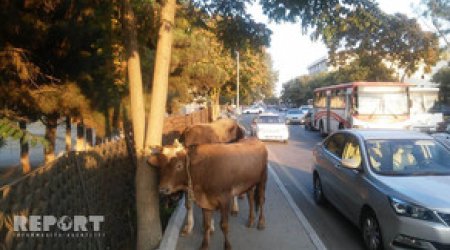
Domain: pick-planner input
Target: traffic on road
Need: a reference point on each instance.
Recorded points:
(364, 189)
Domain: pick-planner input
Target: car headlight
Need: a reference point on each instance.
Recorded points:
(407, 209)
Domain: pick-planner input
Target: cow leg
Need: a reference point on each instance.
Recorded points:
(251, 207)
(224, 224)
(189, 225)
(207, 214)
(235, 206)
(212, 225)
(262, 199)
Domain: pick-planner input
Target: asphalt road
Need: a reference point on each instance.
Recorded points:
(293, 163)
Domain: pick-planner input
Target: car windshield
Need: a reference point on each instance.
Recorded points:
(294, 112)
(269, 119)
(408, 157)
(304, 110)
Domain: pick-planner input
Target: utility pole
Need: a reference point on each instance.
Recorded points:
(237, 82)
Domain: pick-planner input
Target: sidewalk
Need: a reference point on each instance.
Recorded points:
(286, 227)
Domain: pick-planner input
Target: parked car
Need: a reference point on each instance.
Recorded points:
(444, 134)
(392, 184)
(295, 116)
(270, 127)
(253, 110)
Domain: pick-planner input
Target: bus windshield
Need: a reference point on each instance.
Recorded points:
(382, 100)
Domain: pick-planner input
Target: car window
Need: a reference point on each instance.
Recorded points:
(335, 144)
(408, 157)
(269, 119)
(352, 149)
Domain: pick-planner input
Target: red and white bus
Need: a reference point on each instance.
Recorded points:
(362, 105)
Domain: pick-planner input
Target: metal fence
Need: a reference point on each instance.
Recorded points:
(95, 182)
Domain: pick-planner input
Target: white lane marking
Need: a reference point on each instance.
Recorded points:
(300, 216)
(300, 188)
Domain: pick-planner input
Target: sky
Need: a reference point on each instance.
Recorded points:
(293, 51)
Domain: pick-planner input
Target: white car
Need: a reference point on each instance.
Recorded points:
(253, 110)
(270, 127)
(295, 116)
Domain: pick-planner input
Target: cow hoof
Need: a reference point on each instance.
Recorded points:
(261, 226)
(234, 213)
(250, 224)
(185, 232)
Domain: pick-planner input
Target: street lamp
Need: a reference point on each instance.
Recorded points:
(237, 82)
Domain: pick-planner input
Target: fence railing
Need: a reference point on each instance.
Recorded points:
(95, 182)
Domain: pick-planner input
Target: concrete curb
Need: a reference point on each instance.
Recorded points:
(172, 232)
(300, 216)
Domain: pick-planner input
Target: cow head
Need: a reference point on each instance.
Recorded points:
(171, 162)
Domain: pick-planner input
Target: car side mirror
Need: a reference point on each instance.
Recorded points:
(351, 163)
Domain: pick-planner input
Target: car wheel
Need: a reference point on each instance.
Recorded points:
(319, 197)
(371, 231)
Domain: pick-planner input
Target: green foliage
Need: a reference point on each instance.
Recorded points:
(364, 68)
(439, 13)
(299, 90)
(443, 78)
(203, 65)
(394, 39)
(9, 129)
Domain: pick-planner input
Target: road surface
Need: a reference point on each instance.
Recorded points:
(293, 163)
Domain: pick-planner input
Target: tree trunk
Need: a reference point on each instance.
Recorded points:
(50, 136)
(215, 97)
(160, 81)
(80, 144)
(24, 150)
(149, 230)
(89, 137)
(68, 138)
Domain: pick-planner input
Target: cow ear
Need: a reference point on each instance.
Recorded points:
(155, 151)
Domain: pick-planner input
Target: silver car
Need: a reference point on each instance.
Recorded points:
(394, 185)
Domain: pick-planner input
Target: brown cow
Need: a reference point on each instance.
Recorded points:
(214, 173)
(220, 131)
